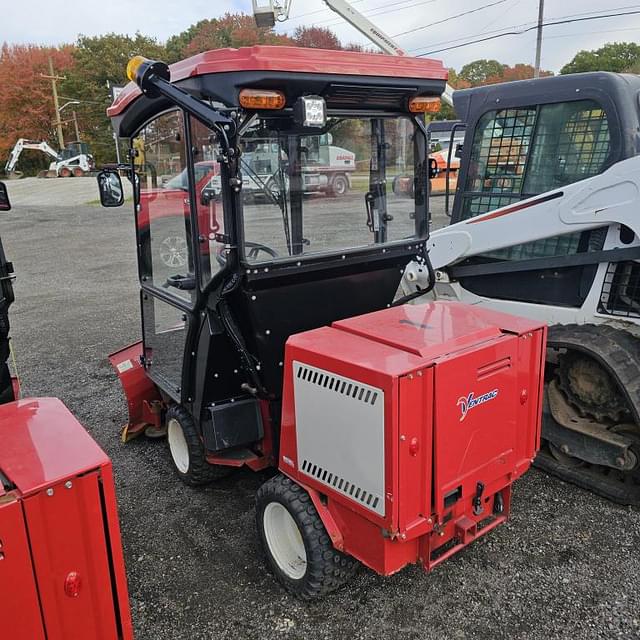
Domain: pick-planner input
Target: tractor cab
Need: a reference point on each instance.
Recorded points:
(279, 195)
(237, 248)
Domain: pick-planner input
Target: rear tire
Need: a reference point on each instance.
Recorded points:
(298, 549)
(339, 186)
(187, 450)
(78, 172)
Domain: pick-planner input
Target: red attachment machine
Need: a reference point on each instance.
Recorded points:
(62, 574)
(412, 423)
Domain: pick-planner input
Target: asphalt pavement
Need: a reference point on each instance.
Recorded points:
(567, 564)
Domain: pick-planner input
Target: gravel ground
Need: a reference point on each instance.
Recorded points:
(567, 565)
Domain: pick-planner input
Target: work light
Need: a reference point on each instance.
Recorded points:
(310, 111)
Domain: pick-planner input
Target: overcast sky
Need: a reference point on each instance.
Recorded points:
(49, 22)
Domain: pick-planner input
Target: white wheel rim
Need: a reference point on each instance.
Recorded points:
(178, 445)
(284, 541)
(173, 251)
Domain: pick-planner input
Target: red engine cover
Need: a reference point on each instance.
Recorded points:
(62, 573)
(415, 479)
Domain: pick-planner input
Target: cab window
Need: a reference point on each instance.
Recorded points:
(351, 186)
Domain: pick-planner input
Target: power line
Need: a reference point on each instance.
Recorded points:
(459, 15)
(521, 25)
(526, 30)
(312, 13)
(332, 22)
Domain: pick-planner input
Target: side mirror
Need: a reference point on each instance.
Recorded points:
(433, 168)
(5, 204)
(110, 187)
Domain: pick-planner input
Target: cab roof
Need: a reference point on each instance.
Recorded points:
(345, 78)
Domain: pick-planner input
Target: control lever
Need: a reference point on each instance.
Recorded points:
(184, 283)
(368, 202)
(477, 499)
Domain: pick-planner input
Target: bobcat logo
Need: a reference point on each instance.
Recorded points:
(470, 402)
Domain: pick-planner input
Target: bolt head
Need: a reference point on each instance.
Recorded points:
(50, 492)
(68, 484)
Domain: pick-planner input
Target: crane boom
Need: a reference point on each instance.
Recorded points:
(268, 12)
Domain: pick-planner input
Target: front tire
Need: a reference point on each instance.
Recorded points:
(187, 451)
(298, 548)
(339, 186)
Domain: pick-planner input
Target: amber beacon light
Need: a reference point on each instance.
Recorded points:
(424, 104)
(262, 99)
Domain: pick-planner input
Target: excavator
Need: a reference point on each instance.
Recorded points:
(73, 160)
(544, 225)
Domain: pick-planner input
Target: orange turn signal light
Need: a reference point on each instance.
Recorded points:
(262, 99)
(424, 104)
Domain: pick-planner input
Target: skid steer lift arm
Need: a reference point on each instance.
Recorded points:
(612, 197)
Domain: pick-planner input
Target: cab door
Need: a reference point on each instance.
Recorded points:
(165, 257)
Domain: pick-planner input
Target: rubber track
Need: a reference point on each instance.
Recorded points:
(618, 352)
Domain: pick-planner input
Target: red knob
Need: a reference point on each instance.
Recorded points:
(414, 446)
(524, 396)
(72, 584)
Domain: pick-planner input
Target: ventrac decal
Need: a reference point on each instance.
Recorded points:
(471, 402)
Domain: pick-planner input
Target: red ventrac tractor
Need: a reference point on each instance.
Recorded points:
(397, 430)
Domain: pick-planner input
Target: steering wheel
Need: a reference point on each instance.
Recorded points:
(254, 249)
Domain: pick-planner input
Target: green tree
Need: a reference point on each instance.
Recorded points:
(477, 72)
(98, 63)
(615, 56)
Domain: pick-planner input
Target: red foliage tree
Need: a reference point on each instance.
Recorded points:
(517, 72)
(26, 102)
(232, 30)
(316, 38)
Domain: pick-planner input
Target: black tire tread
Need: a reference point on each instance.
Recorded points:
(200, 472)
(327, 568)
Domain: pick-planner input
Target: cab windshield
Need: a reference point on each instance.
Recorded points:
(350, 186)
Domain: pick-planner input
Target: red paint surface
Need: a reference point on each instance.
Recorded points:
(63, 573)
(138, 387)
(292, 59)
(31, 456)
(426, 358)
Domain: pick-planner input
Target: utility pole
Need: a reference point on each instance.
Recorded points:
(54, 78)
(536, 69)
(75, 125)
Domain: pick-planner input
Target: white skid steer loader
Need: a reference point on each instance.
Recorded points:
(546, 224)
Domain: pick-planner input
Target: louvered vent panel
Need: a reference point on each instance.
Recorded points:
(340, 484)
(380, 97)
(340, 433)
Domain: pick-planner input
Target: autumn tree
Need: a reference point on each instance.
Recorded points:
(232, 30)
(519, 71)
(316, 38)
(615, 56)
(26, 102)
(98, 63)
